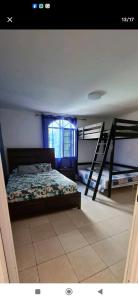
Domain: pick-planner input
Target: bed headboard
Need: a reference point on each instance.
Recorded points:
(23, 156)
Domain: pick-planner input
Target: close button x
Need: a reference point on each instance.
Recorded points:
(9, 19)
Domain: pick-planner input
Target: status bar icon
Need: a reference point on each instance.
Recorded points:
(34, 5)
(47, 5)
(41, 5)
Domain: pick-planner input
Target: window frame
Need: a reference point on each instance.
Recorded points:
(64, 129)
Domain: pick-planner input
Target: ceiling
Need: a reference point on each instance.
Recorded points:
(54, 70)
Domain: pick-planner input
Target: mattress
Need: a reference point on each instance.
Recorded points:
(117, 180)
(35, 186)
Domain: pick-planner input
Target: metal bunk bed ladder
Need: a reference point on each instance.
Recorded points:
(104, 140)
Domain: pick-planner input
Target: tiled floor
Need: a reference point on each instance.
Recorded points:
(87, 245)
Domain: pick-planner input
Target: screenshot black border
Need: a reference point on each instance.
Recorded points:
(55, 14)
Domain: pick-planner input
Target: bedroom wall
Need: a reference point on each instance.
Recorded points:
(126, 151)
(20, 128)
(86, 149)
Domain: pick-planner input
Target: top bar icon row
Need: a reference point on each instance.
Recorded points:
(40, 5)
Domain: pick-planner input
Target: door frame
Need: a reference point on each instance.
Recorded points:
(3, 266)
(6, 232)
(131, 268)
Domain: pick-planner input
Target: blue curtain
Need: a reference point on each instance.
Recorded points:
(57, 139)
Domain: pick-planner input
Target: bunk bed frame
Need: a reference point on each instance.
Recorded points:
(120, 129)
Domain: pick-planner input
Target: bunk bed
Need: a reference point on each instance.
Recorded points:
(106, 174)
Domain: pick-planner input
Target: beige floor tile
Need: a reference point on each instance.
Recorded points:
(118, 270)
(85, 262)
(65, 226)
(29, 275)
(38, 220)
(47, 249)
(93, 224)
(112, 211)
(58, 216)
(21, 235)
(94, 232)
(72, 240)
(109, 251)
(25, 257)
(116, 224)
(42, 232)
(105, 276)
(96, 214)
(122, 239)
(78, 217)
(127, 218)
(20, 223)
(57, 270)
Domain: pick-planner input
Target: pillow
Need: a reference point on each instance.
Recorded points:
(34, 168)
(27, 169)
(43, 167)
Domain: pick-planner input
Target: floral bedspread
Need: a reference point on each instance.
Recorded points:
(36, 186)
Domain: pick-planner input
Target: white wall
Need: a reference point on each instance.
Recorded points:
(126, 151)
(86, 149)
(20, 128)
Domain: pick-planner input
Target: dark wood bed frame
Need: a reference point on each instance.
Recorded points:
(22, 156)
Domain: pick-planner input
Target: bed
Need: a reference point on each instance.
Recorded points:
(33, 194)
(117, 180)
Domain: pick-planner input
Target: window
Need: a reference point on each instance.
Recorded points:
(61, 136)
